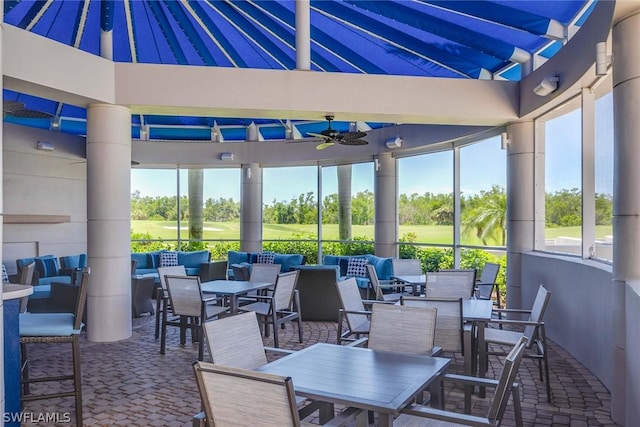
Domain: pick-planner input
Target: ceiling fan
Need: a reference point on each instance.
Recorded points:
(332, 136)
(18, 109)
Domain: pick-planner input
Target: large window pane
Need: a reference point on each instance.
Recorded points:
(153, 208)
(425, 203)
(348, 207)
(604, 176)
(483, 198)
(563, 188)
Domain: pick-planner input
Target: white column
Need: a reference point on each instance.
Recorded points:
(626, 217)
(303, 35)
(521, 215)
(108, 222)
(386, 206)
(251, 208)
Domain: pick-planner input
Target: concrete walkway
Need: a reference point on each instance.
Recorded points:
(128, 383)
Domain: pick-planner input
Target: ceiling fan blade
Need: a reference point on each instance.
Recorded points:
(30, 114)
(12, 106)
(324, 145)
(352, 135)
(317, 135)
(353, 142)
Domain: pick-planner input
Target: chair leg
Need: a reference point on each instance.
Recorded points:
(274, 320)
(163, 336)
(200, 342)
(299, 329)
(25, 369)
(339, 338)
(77, 380)
(546, 361)
(517, 408)
(158, 315)
(183, 330)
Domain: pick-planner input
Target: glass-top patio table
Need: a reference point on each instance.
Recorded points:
(233, 289)
(359, 377)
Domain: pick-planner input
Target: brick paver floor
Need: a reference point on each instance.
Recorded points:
(128, 383)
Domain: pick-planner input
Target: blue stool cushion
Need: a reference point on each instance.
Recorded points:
(47, 325)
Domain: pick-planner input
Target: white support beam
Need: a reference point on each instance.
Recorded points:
(303, 35)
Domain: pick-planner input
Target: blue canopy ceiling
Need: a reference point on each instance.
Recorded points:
(428, 38)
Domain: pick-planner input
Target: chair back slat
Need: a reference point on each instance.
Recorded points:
(284, 290)
(487, 280)
(235, 397)
(402, 329)
(450, 284)
(507, 378)
(240, 272)
(449, 321)
(26, 278)
(537, 313)
(177, 270)
(374, 282)
(266, 273)
(406, 267)
(351, 300)
(81, 299)
(185, 295)
(236, 341)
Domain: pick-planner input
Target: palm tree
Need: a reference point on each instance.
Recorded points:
(344, 202)
(489, 218)
(196, 178)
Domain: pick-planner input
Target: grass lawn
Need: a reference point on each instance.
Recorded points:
(437, 234)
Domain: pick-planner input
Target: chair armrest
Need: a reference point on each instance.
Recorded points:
(365, 312)
(358, 343)
(282, 351)
(452, 417)
(467, 380)
(516, 322)
(511, 310)
(258, 298)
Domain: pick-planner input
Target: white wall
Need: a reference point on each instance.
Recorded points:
(580, 313)
(43, 183)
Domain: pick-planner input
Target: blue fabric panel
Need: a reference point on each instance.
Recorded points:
(47, 324)
(288, 261)
(41, 292)
(253, 257)
(47, 267)
(362, 282)
(23, 261)
(235, 257)
(74, 261)
(193, 259)
(384, 266)
(331, 260)
(344, 265)
(11, 362)
(153, 260)
(142, 260)
(192, 271)
(50, 280)
(146, 271)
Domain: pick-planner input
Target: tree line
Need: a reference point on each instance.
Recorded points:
(484, 213)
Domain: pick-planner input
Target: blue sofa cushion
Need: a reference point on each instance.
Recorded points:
(142, 260)
(193, 259)
(384, 266)
(49, 280)
(40, 292)
(288, 261)
(74, 261)
(47, 267)
(235, 257)
(192, 271)
(340, 260)
(153, 259)
(47, 324)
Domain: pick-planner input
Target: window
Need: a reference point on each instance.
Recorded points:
(604, 177)
(425, 203)
(483, 198)
(563, 177)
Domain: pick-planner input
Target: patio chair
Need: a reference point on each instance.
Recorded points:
(188, 303)
(352, 311)
(449, 328)
(402, 329)
(236, 341)
(26, 277)
(450, 284)
(267, 273)
(282, 306)
(416, 415)
(486, 284)
(406, 267)
(533, 330)
(234, 397)
(214, 270)
(378, 292)
(45, 328)
(162, 296)
(240, 272)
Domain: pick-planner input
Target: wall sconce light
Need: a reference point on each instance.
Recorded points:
(248, 173)
(504, 141)
(226, 156)
(395, 142)
(44, 146)
(603, 61)
(546, 86)
(376, 164)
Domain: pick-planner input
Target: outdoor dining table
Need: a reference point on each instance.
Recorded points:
(416, 281)
(233, 289)
(377, 381)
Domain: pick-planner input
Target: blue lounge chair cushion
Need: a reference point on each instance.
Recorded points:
(47, 325)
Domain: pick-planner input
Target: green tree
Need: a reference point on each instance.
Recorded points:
(488, 219)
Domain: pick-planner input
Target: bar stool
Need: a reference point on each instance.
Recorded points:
(55, 328)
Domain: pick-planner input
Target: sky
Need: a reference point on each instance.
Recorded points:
(481, 166)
